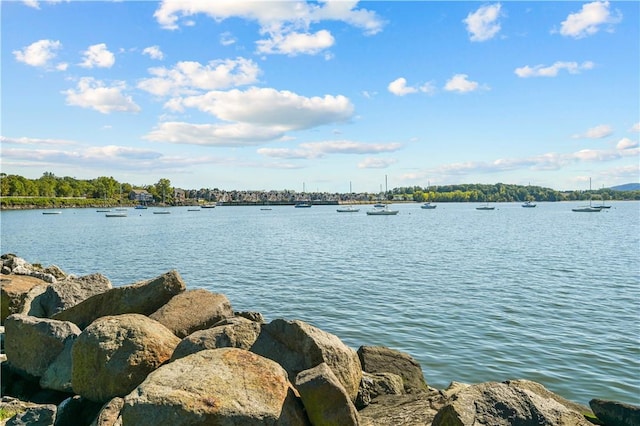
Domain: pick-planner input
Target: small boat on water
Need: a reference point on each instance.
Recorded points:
(141, 207)
(116, 214)
(103, 211)
(428, 206)
(485, 207)
(208, 206)
(162, 212)
(528, 204)
(587, 209)
(56, 212)
(382, 211)
(302, 204)
(590, 208)
(348, 209)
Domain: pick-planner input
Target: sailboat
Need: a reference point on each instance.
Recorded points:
(587, 209)
(384, 210)
(350, 208)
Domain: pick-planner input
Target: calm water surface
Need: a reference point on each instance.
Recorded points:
(544, 294)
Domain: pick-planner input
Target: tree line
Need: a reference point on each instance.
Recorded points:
(109, 190)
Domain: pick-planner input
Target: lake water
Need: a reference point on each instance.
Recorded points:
(544, 294)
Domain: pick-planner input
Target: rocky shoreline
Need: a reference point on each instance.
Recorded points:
(77, 351)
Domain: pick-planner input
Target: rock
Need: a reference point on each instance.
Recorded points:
(17, 293)
(109, 414)
(39, 415)
(615, 413)
(58, 375)
(193, 310)
(77, 411)
(12, 264)
(114, 355)
(503, 404)
(70, 291)
(236, 333)
(374, 385)
(34, 343)
(224, 387)
(325, 399)
(299, 346)
(379, 359)
(143, 298)
(251, 316)
(417, 409)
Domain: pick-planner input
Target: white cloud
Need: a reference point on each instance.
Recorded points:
(191, 77)
(32, 3)
(589, 20)
(99, 56)
(636, 127)
(269, 107)
(36, 4)
(295, 43)
(251, 117)
(461, 83)
(626, 143)
(94, 94)
(598, 132)
(227, 39)
(553, 70)
(543, 162)
(312, 150)
(38, 54)
(154, 52)
(232, 135)
(100, 158)
(483, 24)
(399, 87)
(35, 141)
(376, 163)
(286, 24)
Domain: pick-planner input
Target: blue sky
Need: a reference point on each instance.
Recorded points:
(269, 95)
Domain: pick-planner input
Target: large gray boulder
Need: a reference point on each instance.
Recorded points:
(518, 402)
(380, 359)
(324, 398)
(224, 387)
(234, 333)
(70, 291)
(32, 344)
(299, 346)
(193, 310)
(143, 298)
(114, 355)
(615, 413)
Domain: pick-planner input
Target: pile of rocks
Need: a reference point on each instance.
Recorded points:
(81, 352)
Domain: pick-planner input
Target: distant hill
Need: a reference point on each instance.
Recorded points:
(627, 187)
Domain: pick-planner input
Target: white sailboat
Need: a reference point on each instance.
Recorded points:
(349, 208)
(590, 208)
(384, 210)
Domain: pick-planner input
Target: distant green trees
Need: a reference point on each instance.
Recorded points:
(109, 191)
(501, 192)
